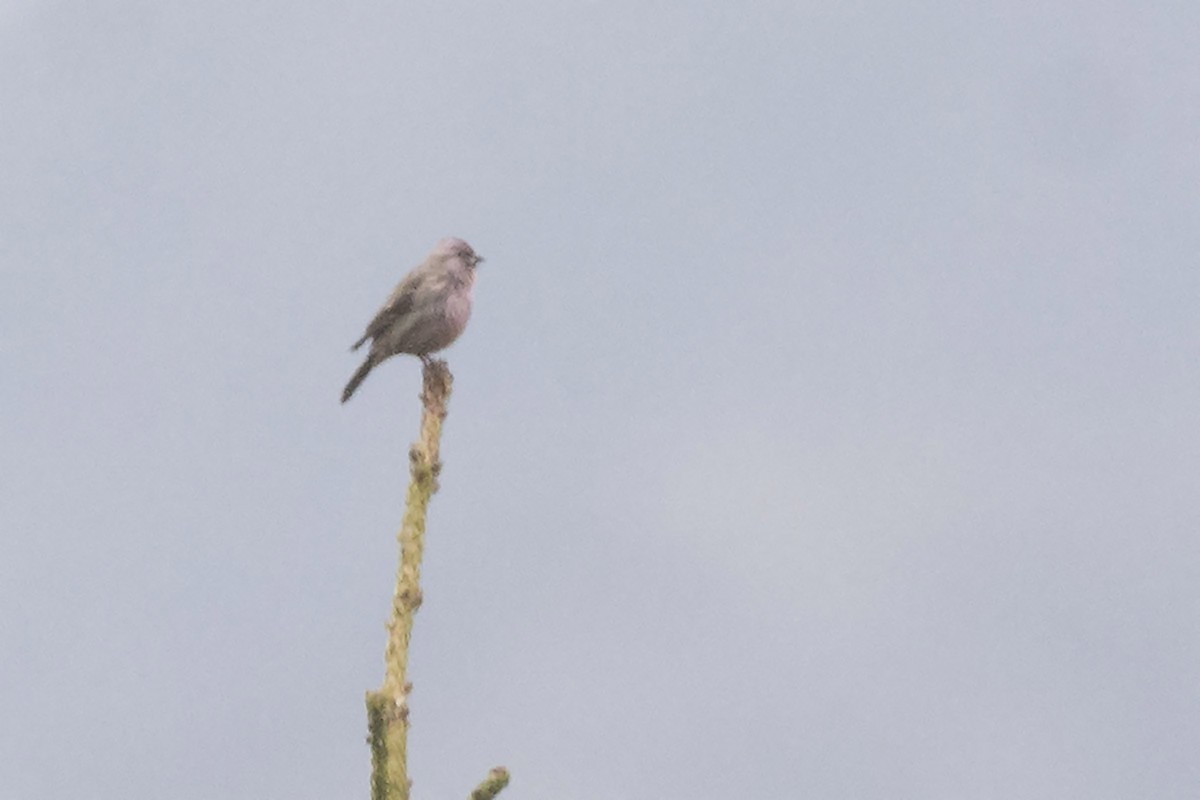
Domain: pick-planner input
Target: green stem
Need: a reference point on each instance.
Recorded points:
(387, 709)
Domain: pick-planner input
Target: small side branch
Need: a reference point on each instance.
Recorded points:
(496, 780)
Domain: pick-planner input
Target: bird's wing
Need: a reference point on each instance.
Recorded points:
(397, 305)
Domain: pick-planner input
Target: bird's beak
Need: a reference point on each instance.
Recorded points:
(480, 259)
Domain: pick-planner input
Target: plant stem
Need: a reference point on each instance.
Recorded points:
(387, 709)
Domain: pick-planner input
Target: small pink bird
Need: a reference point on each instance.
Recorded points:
(426, 312)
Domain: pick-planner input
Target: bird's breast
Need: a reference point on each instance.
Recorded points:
(458, 309)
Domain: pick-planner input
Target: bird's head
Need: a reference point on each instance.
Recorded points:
(453, 247)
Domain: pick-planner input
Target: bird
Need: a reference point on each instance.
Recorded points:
(426, 311)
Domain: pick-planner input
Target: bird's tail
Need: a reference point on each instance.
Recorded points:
(358, 378)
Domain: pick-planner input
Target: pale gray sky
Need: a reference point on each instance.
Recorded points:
(827, 426)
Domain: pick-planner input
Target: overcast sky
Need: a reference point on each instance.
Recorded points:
(826, 427)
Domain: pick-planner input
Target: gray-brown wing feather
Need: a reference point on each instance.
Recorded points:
(399, 304)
